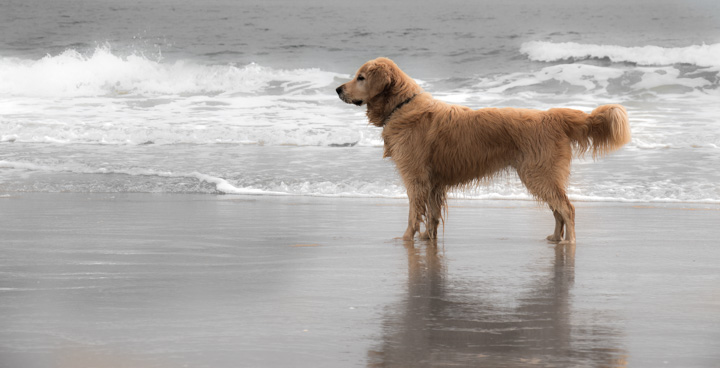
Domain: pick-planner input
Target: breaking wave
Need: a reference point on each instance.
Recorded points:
(699, 55)
(102, 73)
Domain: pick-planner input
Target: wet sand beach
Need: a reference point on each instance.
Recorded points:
(143, 280)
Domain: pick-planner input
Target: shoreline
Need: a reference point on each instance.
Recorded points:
(710, 204)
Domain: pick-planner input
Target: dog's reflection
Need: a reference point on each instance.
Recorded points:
(446, 321)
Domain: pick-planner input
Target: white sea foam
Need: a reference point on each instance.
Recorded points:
(588, 77)
(700, 55)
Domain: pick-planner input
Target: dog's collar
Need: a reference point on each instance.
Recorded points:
(401, 104)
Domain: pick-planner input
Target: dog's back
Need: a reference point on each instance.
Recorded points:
(465, 145)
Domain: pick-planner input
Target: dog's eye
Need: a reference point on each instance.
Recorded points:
(360, 78)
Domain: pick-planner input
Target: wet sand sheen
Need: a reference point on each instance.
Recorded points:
(225, 281)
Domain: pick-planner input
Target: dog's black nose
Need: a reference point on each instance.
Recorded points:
(338, 90)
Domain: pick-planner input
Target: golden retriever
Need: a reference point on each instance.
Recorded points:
(438, 146)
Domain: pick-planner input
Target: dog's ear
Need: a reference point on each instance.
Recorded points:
(379, 76)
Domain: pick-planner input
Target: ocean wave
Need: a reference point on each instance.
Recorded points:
(102, 73)
(657, 70)
(699, 55)
(103, 98)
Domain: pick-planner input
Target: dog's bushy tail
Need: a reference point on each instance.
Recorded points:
(604, 130)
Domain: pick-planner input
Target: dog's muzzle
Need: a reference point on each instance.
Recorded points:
(341, 93)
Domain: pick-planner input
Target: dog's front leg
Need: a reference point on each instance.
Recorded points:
(413, 226)
(416, 211)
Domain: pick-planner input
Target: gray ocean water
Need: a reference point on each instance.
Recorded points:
(238, 96)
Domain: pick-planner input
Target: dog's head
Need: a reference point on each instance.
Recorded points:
(369, 82)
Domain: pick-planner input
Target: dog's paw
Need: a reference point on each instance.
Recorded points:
(427, 236)
(554, 238)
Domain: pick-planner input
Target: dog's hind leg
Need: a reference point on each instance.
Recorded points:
(567, 212)
(549, 186)
(563, 211)
(436, 201)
